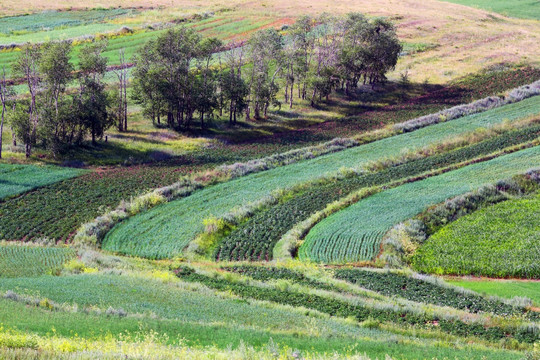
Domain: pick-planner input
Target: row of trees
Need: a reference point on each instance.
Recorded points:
(180, 75)
(65, 105)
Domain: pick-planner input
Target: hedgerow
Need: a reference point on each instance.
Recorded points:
(481, 105)
(341, 308)
(255, 239)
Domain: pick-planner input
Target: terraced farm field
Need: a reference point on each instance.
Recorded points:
(497, 241)
(165, 230)
(354, 234)
(16, 179)
(22, 261)
(255, 238)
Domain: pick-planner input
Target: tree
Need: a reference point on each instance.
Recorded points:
(56, 73)
(298, 56)
(92, 99)
(27, 66)
(265, 49)
(121, 100)
(147, 82)
(5, 94)
(206, 90)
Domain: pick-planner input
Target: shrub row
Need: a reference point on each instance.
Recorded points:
(255, 239)
(336, 307)
(481, 105)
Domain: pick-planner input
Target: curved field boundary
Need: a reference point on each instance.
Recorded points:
(502, 240)
(165, 230)
(16, 179)
(354, 234)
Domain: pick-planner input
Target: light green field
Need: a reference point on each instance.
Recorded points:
(20, 260)
(16, 179)
(165, 230)
(199, 318)
(503, 288)
(526, 9)
(502, 240)
(354, 234)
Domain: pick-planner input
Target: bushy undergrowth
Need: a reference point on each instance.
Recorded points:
(255, 239)
(341, 308)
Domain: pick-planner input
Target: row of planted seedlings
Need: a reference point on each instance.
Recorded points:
(370, 307)
(255, 238)
(404, 284)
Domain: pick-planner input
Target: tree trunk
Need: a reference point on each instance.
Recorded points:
(2, 128)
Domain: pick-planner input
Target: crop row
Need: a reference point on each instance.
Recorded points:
(499, 241)
(54, 19)
(378, 213)
(21, 261)
(421, 290)
(166, 230)
(16, 179)
(342, 308)
(255, 239)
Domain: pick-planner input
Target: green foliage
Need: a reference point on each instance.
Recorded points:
(17, 179)
(498, 241)
(21, 261)
(341, 308)
(355, 233)
(169, 228)
(264, 273)
(255, 239)
(422, 290)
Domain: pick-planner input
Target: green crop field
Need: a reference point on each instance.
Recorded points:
(503, 288)
(166, 230)
(20, 260)
(498, 241)
(16, 179)
(526, 9)
(354, 234)
(255, 239)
